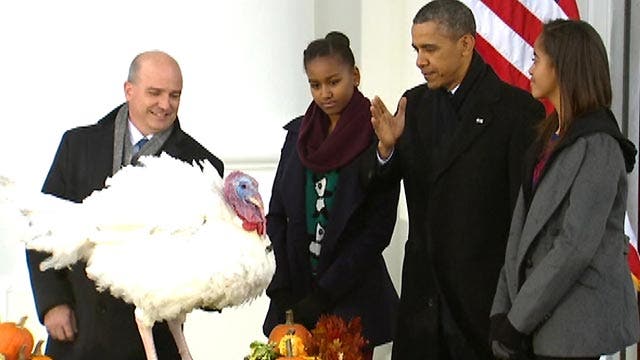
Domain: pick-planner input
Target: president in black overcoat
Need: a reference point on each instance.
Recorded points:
(457, 142)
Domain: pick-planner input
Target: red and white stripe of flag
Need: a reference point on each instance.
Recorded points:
(632, 256)
(507, 30)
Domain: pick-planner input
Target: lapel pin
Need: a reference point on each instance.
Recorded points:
(479, 121)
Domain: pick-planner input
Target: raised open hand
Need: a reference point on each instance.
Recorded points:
(388, 127)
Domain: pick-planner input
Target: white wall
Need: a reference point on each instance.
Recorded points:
(64, 64)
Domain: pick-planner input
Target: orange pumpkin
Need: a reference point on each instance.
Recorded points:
(292, 333)
(15, 340)
(37, 352)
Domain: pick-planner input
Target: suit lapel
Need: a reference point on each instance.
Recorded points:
(552, 189)
(293, 195)
(423, 127)
(424, 119)
(293, 192)
(102, 154)
(471, 126)
(475, 117)
(172, 145)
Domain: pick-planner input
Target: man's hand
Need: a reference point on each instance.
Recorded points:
(388, 128)
(60, 322)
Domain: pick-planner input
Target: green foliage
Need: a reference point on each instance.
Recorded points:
(262, 351)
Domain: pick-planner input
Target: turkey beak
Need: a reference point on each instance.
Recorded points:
(257, 201)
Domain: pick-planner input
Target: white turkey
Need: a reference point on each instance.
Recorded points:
(207, 249)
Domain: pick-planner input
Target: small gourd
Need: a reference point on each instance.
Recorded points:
(15, 340)
(289, 352)
(291, 339)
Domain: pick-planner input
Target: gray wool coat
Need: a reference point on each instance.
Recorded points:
(566, 281)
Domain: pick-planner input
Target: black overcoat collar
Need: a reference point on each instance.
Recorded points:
(474, 112)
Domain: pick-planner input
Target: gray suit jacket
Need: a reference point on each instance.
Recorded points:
(566, 280)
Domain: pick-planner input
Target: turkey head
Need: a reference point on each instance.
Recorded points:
(241, 193)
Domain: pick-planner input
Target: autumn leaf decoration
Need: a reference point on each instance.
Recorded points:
(335, 339)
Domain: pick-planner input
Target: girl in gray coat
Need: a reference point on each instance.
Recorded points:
(565, 290)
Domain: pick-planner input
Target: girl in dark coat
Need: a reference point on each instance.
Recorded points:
(327, 222)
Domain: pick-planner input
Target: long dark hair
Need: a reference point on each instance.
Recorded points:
(582, 70)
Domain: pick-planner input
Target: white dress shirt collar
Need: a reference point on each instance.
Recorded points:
(135, 134)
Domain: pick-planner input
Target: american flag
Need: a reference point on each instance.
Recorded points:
(506, 31)
(634, 259)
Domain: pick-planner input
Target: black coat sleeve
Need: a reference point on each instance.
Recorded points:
(51, 288)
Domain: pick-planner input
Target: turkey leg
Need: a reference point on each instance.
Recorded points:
(146, 333)
(175, 326)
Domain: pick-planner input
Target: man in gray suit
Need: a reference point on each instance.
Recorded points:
(83, 323)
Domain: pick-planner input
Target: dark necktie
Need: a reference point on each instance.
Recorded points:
(139, 145)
